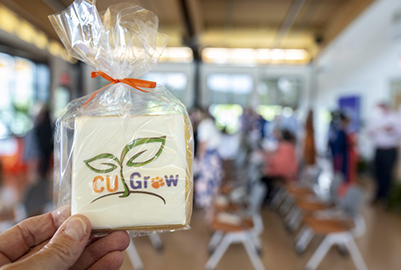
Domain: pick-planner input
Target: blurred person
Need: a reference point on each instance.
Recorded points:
(39, 144)
(274, 128)
(334, 127)
(289, 122)
(309, 141)
(39, 149)
(345, 154)
(385, 133)
(229, 145)
(281, 164)
(262, 125)
(43, 131)
(210, 164)
(246, 120)
(53, 241)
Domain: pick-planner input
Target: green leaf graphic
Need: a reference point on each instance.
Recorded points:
(142, 141)
(106, 156)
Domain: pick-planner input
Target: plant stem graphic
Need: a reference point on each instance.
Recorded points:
(126, 190)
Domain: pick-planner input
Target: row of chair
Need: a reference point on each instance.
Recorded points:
(306, 208)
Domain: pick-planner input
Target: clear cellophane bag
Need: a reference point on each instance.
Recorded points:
(123, 155)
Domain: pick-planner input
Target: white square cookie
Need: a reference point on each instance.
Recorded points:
(130, 172)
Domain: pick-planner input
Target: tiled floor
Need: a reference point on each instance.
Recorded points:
(380, 247)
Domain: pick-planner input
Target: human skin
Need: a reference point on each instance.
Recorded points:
(57, 241)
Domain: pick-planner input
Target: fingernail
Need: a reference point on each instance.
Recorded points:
(76, 228)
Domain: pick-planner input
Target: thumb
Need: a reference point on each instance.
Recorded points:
(65, 247)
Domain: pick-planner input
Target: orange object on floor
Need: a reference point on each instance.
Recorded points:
(14, 164)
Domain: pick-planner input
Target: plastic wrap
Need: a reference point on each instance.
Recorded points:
(123, 155)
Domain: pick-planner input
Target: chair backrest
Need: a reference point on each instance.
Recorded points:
(254, 174)
(241, 158)
(256, 197)
(351, 204)
(335, 187)
(310, 175)
(238, 194)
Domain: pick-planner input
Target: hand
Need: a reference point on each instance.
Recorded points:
(51, 241)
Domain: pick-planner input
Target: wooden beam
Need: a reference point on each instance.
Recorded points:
(29, 11)
(345, 15)
(195, 13)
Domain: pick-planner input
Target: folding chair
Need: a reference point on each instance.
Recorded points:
(339, 228)
(156, 242)
(133, 254)
(284, 197)
(245, 231)
(247, 175)
(305, 205)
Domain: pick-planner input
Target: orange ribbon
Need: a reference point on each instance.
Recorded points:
(135, 83)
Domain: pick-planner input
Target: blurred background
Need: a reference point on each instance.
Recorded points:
(295, 106)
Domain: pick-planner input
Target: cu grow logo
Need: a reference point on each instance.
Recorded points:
(106, 163)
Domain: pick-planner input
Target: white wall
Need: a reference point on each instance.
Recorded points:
(361, 61)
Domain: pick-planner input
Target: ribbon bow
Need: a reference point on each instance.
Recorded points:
(135, 83)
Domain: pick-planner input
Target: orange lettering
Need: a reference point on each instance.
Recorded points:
(95, 185)
(108, 184)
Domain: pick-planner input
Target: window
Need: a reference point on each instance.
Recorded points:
(22, 83)
(42, 83)
(6, 80)
(230, 88)
(227, 116)
(175, 82)
(283, 91)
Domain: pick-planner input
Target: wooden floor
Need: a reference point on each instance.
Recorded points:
(380, 247)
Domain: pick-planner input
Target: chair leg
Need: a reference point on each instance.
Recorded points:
(290, 215)
(134, 256)
(304, 239)
(301, 232)
(156, 241)
(219, 252)
(216, 238)
(320, 252)
(356, 255)
(292, 222)
(257, 245)
(286, 206)
(255, 260)
(297, 222)
(278, 198)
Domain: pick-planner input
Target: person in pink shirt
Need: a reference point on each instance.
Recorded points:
(280, 165)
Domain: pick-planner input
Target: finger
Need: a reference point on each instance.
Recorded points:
(116, 241)
(16, 241)
(34, 250)
(64, 248)
(61, 214)
(112, 261)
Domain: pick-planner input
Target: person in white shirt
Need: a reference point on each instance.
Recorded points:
(210, 171)
(229, 146)
(385, 132)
